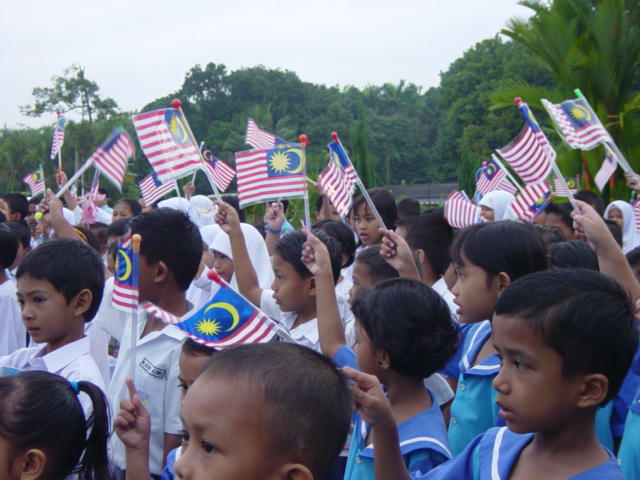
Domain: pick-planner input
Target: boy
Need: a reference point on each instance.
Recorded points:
(170, 253)
(59, 289)
(275, 410)
(292, 298)
(13, 334)
(566, 338)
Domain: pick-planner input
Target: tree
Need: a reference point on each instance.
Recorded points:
(71, 92)
(362, 160)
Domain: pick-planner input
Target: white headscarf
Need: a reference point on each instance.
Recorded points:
(183, 205)
(499, 202)
(630, 238)
(205, 208)
(257, 253)
(209, 233)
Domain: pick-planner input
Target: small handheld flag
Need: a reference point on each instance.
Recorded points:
(152, 189)
(58, 136)
(261, 139)
(531, 201)
(493, 177)
(459, 211)
(566, 188)
(337, 184)
(112, 157)
(35, 180)
(216, 169)
(125, 284)
(608, 167)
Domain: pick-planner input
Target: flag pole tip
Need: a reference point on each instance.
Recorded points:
(176, 103)
(304, 140)
(135, 241)
(517, 100)
(58, 112)
(484, 163)
(213, 275)
(38, 215)
(334, 135)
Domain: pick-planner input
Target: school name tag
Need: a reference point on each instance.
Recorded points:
(151, 369)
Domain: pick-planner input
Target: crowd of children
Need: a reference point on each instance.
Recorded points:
(409, 350)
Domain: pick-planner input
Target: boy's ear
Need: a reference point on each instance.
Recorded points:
(82, 302)
(31, 464)
(295, 471)
(594, 389)
(383, 359)
(420, 253)
(310, 286)
(160, 272)
(503, 281)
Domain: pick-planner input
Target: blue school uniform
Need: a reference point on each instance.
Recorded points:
(168, 472)
(423, 437)
(474, 408)
(493, 455)
(629, 452)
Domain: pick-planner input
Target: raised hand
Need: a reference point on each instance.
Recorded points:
(133, 424)
(227, 217)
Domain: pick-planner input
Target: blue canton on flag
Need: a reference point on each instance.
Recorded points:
(125, 284)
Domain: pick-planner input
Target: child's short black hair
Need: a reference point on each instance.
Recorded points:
(563, 210)
(17, 203)
(133, 205)
(169, 236)
(87, 237)
(550, 235)
(289, 247)
(341, 233)
(615, 230)
(432, 234)
(307, 400)
(379, 268)
(99, 231)
(408, 207)
(68, 265)
(592, 199)
(118, 228)
(410, 322)
(23, 232)
(573, 254)
(633, 257)
(8, 246)
(384, 203)
(586, 317)
(193, 348)
(505, 246)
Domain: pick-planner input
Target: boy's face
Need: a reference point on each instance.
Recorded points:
(475, 294)
(190, 367)
(533, 394)
(366, 225)
(289, 287)
(225, 433)
(223, 265)
(46, 314)
(361, 277)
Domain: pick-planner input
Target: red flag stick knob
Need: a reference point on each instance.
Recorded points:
(484, 163)
(213, 275)
(334, 135)
(303, 140)
(58, 111)
(517, 101)
(176, 103)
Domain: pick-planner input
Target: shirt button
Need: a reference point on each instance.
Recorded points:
(358, 459)
(453, 420)
(463, 387)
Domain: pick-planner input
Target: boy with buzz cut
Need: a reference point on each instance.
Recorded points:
(275, 411)
(59, 288)
(170, 254)
(566, 339)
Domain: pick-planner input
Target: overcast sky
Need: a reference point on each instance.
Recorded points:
(139, 50)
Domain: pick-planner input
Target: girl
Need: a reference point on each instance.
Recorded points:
(365, 223)
(621, 212)
(488, 257)
(43, 431)
(494, 205)
(404, 334)
(126, 208)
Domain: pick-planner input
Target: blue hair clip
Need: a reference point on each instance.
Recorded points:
(74, 385)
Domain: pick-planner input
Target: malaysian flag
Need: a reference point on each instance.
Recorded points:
(493, 177)
(220, 172)
(227, 319)
(165, 140)
(459, 211)
(270, 174)
(260, 139)
(636, 214)
(608, 167)
(35, 180)
(562, 190)
(531, 201)
(125, 279)
(530, 153)
(112, 157)
(89, 208)
(153, 189)
(576, 123)
(339, 154)
(337, 186)
(58, 136)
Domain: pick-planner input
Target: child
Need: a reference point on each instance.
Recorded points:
(274, 410)
(59, 290)
(494, 206)
(24, 241)
(125, 208)
(170, 254)
(13, 334)
(132, 424)
(488, 257)
(404, 334)
(621, 212)
(365, 223)
(558, 215)
(292, 298)
(566, 338)
(43, 431)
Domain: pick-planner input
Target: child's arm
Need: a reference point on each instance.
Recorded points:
(374, 408)
(330, 328)
(275, 220)
(133, 427)
(395, 250)
(59, 224)
(246, 276)
(610, 257)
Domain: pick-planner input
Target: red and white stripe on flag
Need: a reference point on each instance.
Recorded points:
(561, 189)
(35, 180)
(112, 157)
(586, 138)
(221, 173)
(636, 214)
(165, 140)
(459, 211)
(58, 140)
(258, 138)
(338, 186)
(125, 294)
(256, 185)
(531, 200)
(152, 190)
(530, 155)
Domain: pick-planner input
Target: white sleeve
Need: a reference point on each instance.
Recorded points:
(12, 332)
(110, 319)
(172, 423)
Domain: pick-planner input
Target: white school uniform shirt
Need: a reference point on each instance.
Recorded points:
(305, 334)
(440, 287)
(72, 361)
(110, 319)
(156, 379)
(342, 298)
(12, 332)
